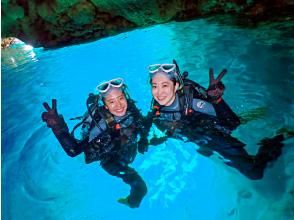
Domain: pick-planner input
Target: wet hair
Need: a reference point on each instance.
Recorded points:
(169, 76)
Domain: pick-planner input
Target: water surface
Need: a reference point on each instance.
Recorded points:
(39, 181)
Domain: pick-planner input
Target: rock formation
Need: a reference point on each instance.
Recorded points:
(54, 23)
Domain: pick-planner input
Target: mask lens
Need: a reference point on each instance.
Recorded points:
(153, 68)
(103, 87)
(116, 82)
(168, 67)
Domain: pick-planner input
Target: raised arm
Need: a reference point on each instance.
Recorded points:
(226, 115)
(215, 92)
(56, 122)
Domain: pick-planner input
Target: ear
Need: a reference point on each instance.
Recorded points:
(176, 86)
(106, 107)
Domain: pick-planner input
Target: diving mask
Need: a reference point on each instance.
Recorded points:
(170, 69)
(167, 68)
(105, 86)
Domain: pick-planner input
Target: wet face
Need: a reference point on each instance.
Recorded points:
(164, 89)
(116, 103)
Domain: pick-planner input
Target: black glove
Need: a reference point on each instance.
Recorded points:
(216, 87)
(143, 145)
(52, 119)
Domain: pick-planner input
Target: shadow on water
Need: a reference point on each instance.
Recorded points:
(36, 157)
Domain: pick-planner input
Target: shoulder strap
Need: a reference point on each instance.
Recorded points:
(155, 108)
(186, 101)
(108, 118)
(199, 90)
(133, 108)
(86, 119)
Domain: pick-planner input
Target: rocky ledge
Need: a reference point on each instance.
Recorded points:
(55, 23)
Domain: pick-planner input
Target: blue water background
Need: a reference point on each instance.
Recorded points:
(39, 181)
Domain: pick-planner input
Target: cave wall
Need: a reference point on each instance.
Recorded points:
(54, 23)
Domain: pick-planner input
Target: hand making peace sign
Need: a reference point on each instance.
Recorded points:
(50, 116)
(216, 87)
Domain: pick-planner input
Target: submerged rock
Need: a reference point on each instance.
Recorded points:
(14, 52)
(7, 42)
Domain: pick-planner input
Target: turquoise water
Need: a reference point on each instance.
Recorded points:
(39, 181)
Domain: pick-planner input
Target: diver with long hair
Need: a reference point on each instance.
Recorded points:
(110, 131)
(183, 109)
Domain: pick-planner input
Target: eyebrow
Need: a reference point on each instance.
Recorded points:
(161, 82)
(109, 100)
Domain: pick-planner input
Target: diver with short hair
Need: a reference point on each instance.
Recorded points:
(110, 132)
(185, 110)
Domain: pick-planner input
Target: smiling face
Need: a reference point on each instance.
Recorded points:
(116, 103)
(163, 89)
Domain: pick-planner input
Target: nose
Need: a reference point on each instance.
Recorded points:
(119, 103)
(158, 91)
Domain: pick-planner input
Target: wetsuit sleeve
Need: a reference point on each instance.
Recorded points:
(146, 123)
(226, 115)
(70, 145)
(154, 139)
(141, 122)
(223, 112)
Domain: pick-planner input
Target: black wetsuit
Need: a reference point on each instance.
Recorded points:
(113, 143)
(209, 125)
